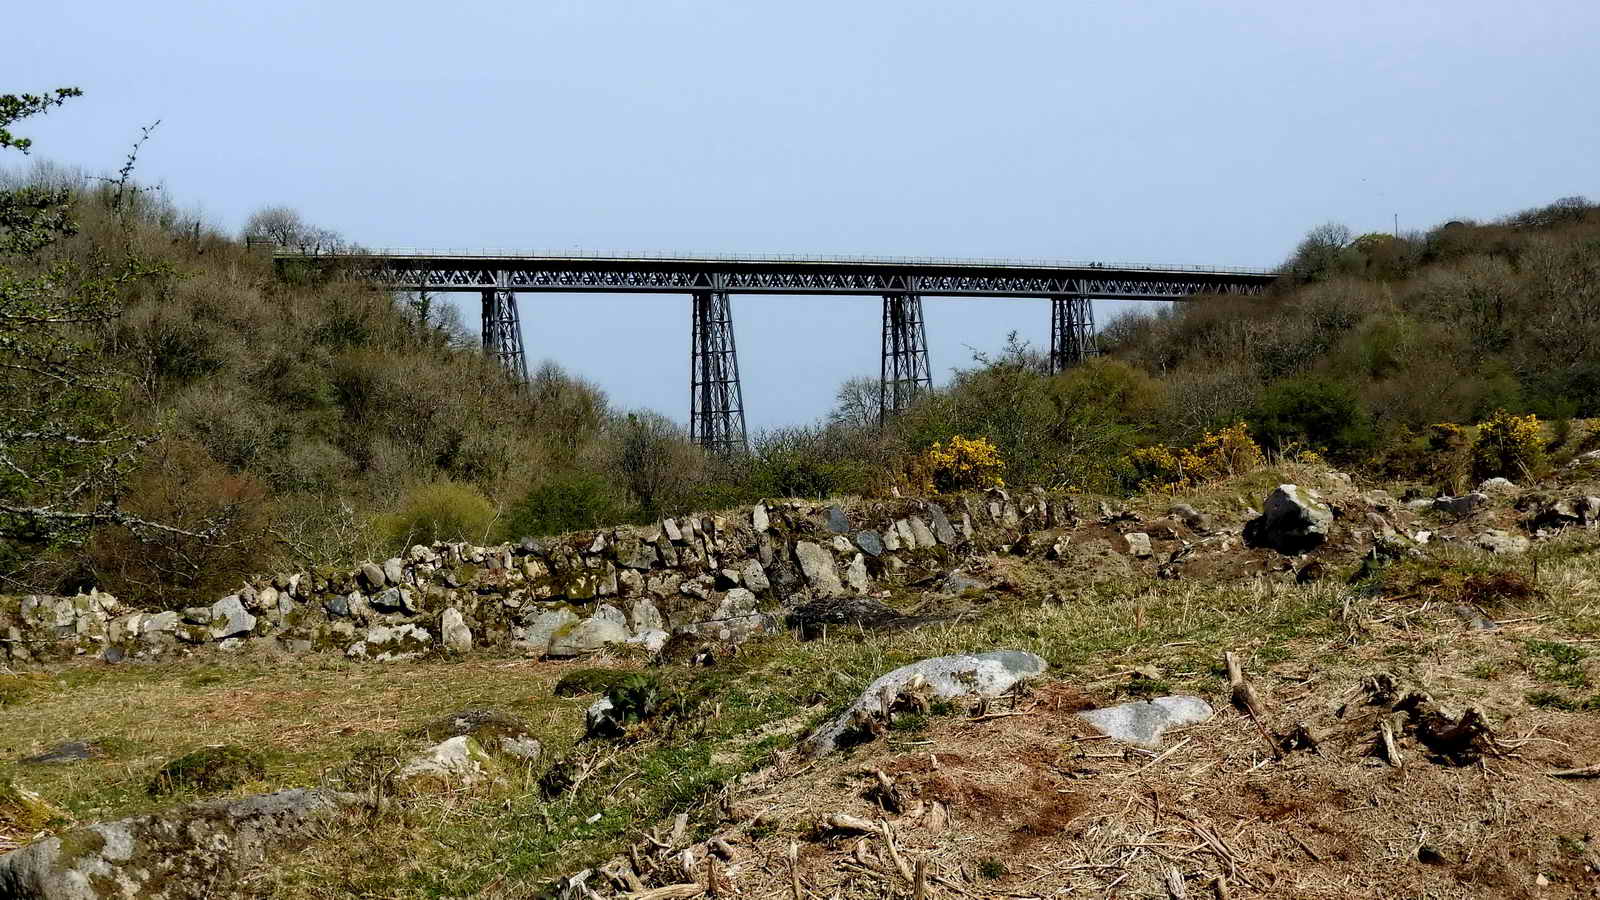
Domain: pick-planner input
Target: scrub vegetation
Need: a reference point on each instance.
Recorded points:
(191, 414)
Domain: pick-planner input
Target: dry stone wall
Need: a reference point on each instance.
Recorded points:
(722, 577)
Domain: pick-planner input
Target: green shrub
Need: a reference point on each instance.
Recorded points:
(579, 682)
(1316, 412)
(565, 501)
(439, 511)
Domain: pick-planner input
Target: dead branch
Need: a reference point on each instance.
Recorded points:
(1391, 750)
(1585, 772)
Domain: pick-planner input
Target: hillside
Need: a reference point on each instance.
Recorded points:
(1462, 631)
(270, 422)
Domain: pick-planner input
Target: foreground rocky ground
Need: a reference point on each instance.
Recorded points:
(1415, 712)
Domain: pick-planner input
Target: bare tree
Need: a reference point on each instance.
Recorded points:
(61, 460)
(282, 227)
(655, 459)
(857, 403)
(1318, 252)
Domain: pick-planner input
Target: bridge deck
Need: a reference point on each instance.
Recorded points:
(633, 272)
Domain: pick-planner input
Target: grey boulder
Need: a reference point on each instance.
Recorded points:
(453, 631)
(817, 565)
(588, 636)
(1143, 722)
(536, 635)
(372, 575)
(962, 675)
(229, 619)
(1463, 505)
(1293, 520)
(189, 853)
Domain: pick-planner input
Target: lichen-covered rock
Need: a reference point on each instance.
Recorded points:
(498, 732)
(587, 636)
(1497, 541)
(855, 574)
(394, 570)
(372, 575)
(450, 763)
(816, 563)
(385, 643)
(535, 635)
(454, 633)
(1293, 520)
(190, 853)
(1569, 511)
(1138, 544)
(645, 616)
(980, 675)
(229, 619)
(652, 640)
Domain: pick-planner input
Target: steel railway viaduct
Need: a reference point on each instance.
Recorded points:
(716, 403)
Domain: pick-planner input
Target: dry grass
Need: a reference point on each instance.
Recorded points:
(307, 714)
(1036, 804)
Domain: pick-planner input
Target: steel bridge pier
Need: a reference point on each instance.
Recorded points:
(1071, 332)
(502, 331)
(904, 371)
(716, 402)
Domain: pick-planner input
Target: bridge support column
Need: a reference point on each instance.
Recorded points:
(502, 331)
(904, 370)
(1071, 332)
(716, 402)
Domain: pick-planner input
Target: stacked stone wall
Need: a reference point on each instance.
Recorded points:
(720, 576)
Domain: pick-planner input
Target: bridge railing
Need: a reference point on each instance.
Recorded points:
(708, 257)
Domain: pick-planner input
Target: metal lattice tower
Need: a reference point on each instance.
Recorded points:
(716, 403)
(502, 331)
(904, 370)
(1071, 332)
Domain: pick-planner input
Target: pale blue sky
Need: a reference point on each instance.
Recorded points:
(1177, 131)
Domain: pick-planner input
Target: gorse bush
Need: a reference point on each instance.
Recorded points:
(962, 464)
(1220, 454)
(1509, 446)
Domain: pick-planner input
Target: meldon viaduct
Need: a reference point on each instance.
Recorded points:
(716, 404)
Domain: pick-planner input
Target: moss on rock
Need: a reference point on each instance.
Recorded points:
(23, 813)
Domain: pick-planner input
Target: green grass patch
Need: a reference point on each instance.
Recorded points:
(1557, 663)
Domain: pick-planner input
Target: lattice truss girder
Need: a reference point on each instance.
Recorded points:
(438, 276)
(716, 402)
(904, 372)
